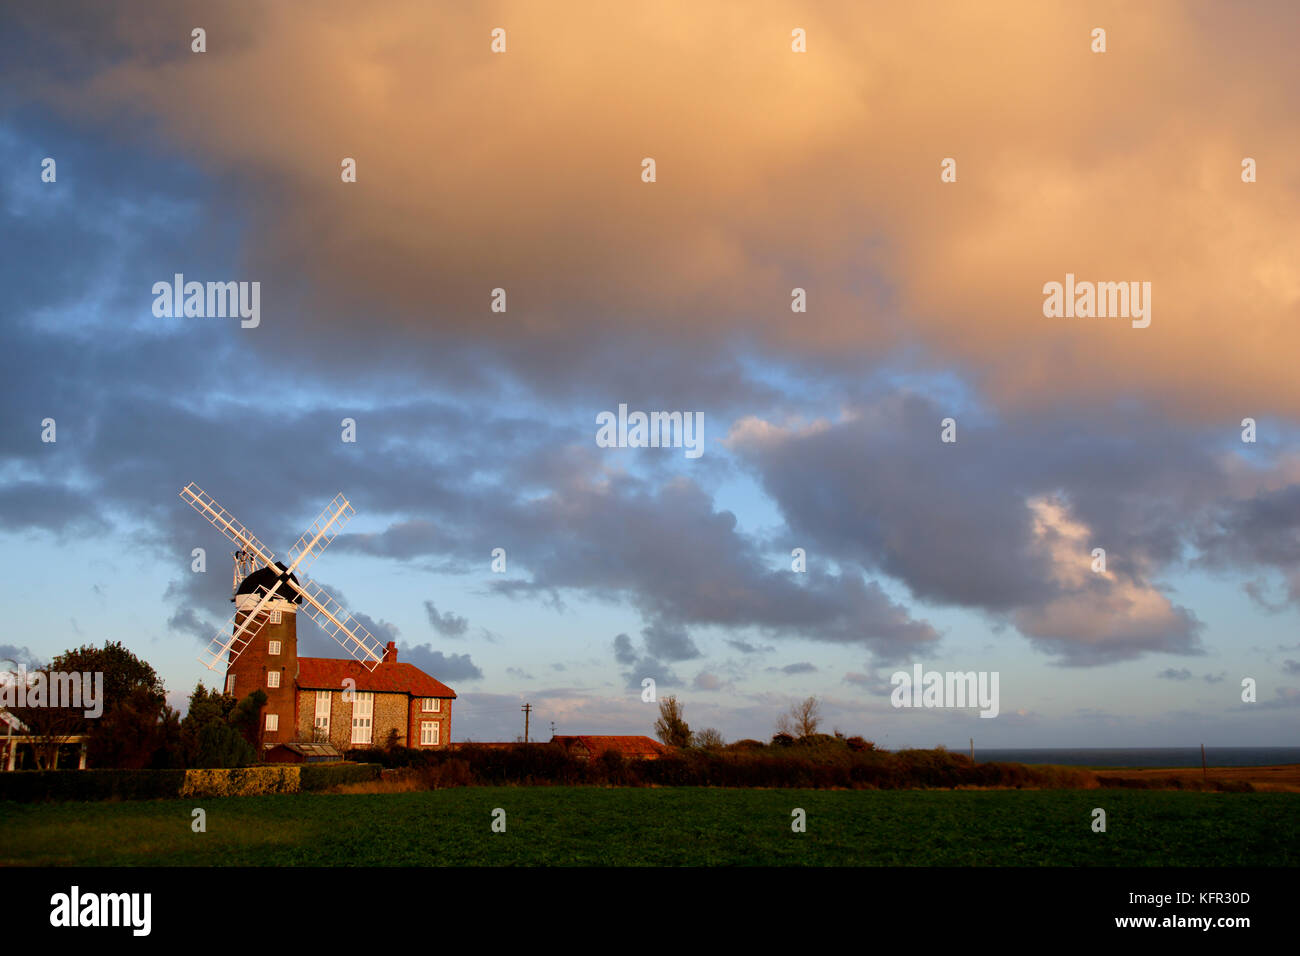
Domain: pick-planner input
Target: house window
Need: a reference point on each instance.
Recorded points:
(363, 709)
(432, 705)
(275, 617)
(274, 649)
(272, 678)
(230, 683)
(429, 733)
(322, 720)
(272, 721)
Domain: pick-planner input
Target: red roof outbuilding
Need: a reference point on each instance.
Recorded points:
(593, 745)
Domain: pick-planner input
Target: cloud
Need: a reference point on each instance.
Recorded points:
(640, 665)
(187, 621)
(1171, 674)
(803, 667)
(669, 643)
(1005, 520)
(446, 624)
(747, 648)
(445, 667)
(21, 656)
(706, 681)
(751, 197)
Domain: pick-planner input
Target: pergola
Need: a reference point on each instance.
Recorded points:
(12, 741)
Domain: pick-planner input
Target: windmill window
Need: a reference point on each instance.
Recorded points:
(274, 649)
(272, 678)
(275, 617)
(230, 683)
(272, 721)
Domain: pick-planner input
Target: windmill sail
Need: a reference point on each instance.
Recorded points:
(335, 621)
(226, 523)
(322, 531)
(332, 617)
(231, 640)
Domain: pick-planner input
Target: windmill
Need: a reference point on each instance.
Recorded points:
(282, 583)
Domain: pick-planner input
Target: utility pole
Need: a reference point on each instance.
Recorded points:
(527, 709)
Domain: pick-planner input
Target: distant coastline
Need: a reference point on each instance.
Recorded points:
(1140, 756)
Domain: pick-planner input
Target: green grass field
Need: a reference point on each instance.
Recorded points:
(631, 827)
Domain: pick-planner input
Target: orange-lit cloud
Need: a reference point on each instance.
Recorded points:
(775, 169)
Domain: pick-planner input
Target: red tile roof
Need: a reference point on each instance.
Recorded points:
(627, 746)
(325, 673)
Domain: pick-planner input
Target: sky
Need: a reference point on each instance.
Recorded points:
(774, 170)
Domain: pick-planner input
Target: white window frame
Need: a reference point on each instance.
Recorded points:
(429, 733)
(363, 716)
(272, 722)
(431, 705)
(275, 617)
(230, 684)
(274, 649)
(272, 678)
(321, 718)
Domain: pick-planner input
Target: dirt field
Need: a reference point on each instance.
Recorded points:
(1283, 779)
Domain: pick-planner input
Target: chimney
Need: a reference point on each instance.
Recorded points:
(390, 654)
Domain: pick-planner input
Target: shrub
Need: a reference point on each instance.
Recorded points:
(322, 776)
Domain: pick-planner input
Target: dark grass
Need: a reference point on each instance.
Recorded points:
(679, 826)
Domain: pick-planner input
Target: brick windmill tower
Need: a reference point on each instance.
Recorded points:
(258, 647)
(270, 661)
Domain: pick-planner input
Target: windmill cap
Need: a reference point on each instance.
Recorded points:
(266, 578)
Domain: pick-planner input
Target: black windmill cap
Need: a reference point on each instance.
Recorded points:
(266, 578)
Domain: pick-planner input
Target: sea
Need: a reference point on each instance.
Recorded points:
(1143, 756)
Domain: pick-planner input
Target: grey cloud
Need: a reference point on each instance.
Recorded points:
(445, 667)
(446, 624)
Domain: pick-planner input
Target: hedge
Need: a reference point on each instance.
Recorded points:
(28, 786)
(322, 776)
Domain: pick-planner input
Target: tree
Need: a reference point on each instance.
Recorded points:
(709, 738)
(136, 721)
(211, 734)
(801, 720)
(247, 718)
(671, 727)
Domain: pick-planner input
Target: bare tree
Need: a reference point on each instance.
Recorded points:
(709, 738)
(801, 720)
(671, 727)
